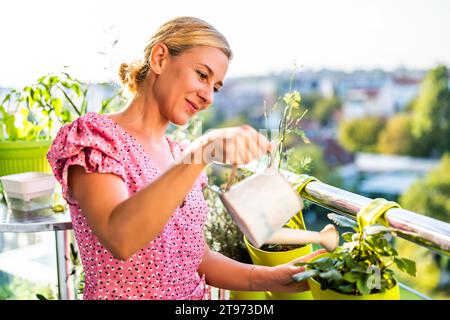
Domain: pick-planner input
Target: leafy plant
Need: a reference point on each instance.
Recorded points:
(36, 112)
(30, 113)
(361, 265)
(292, 114)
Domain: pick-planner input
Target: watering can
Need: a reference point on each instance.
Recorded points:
(263, 203)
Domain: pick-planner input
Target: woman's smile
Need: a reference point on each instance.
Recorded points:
(193, 108)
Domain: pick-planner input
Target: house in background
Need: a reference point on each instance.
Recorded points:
(386, 176)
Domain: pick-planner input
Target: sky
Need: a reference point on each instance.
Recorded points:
(38, 37)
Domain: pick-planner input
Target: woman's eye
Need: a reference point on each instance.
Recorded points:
(202, 76)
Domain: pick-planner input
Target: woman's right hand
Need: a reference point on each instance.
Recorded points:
(235, 145)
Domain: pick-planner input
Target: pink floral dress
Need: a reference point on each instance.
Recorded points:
(166, 268)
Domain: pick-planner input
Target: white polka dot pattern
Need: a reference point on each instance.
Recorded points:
(166, 268)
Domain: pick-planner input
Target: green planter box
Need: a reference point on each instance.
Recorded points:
(24, 156)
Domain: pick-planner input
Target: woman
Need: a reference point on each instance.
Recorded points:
(135, 195)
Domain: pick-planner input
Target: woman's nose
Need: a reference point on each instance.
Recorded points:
(207, 95)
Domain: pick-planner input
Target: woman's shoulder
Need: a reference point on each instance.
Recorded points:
(90, 141)
(89, 130)
(89, 125)
(95, 119)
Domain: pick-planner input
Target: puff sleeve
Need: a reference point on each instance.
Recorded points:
(87, 143)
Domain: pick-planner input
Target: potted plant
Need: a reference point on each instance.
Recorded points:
(31, 116)
(275, 254)
(359, 269)
(29, 119)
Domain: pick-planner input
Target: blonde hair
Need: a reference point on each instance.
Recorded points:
(179, 35)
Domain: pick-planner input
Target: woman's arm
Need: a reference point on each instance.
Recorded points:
(126, 224)
(122, 223)
(223, 272)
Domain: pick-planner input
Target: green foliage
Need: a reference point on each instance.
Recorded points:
(360, 135)
(309, 101)
(360, 266)
(397, 137)
(292, 114)
(325, 108)
(31, 113)
(432, 112)
(21, 289)
(310, 159)
(38, 111)
(430, 196)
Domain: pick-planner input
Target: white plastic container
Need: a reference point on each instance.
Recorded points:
(28, 191)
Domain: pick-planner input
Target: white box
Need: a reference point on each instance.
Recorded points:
(29, 191)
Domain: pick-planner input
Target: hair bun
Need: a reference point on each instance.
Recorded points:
(132, 75)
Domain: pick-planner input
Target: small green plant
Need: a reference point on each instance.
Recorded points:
(31, 113)
(361, 265)
(292, 114)
(289, 124)
(37, 112)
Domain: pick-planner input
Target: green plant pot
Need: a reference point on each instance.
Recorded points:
(247, 295)
(271, 259)
(319, 294)
(24, 156)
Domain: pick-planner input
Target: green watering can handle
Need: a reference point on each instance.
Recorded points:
(302, 181)
(374, 212)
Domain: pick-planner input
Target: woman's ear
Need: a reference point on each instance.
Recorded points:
(158, 57)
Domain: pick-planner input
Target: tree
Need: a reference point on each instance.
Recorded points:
(360, 135)
(397, 137)
(310, 159)
(430, 196)
(432, 112)
(309, 101)
(325, 108)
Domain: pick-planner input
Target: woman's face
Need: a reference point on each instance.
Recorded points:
(186, 83)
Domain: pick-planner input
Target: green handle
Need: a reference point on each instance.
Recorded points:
(302, 181)
(374, 212)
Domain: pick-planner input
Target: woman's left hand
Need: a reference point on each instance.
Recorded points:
(280, 277)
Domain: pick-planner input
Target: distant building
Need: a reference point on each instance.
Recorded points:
(396, 93)
(388, 176)
(247, 96)
(361, 102)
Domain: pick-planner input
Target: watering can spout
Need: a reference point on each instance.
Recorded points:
(328, 237)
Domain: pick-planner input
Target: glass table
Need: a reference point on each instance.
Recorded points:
(40, 221)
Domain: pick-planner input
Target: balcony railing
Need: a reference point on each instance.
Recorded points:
(420, 229)
(417, 228)
(425, 231)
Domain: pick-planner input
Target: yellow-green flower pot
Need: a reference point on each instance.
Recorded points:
(247, 295)
(319, 294)
(271, 259)
(24, 156)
